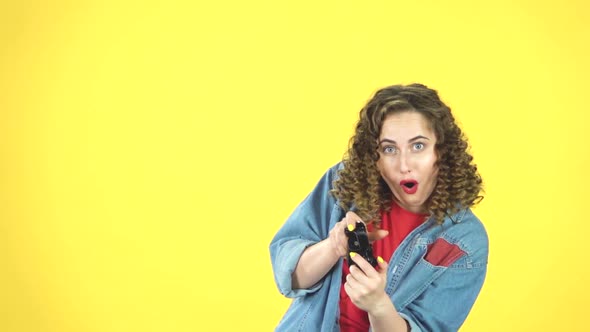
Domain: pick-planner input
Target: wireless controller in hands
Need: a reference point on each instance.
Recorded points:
(358, 242)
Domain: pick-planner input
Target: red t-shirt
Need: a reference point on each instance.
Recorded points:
(399, 223)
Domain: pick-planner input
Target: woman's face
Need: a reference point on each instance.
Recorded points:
(407, 159)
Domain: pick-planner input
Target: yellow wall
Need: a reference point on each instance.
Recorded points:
(151, 149)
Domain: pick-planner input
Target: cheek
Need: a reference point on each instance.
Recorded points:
(432, 162)
(434, 175)
(380, 166)
(384, 171)
(432, 168)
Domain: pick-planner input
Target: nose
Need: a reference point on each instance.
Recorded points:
(403, 164)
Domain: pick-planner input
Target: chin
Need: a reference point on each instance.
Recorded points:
(415, 206)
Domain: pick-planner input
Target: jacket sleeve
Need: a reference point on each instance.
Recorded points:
(446, 302)
(308, 224)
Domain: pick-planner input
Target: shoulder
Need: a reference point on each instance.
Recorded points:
(335, 170)
(330, 176)
(465, 224)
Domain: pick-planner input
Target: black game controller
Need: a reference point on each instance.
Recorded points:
(358, 242)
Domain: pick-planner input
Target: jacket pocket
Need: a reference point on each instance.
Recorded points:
(417, 279)
(443, 253)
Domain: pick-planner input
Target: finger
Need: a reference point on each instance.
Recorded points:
(342, 225)
(368, 270)
(382, 265)
(349, 289)
(350, 278)
(352, 284)
(351, 227)
(352, 215)
(377, 235)
(351, 219)
(356, 273)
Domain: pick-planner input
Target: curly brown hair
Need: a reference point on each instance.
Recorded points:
(360, 184)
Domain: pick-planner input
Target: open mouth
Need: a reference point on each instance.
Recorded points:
(409, 186)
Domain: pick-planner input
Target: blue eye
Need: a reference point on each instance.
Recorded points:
(419, 146)
(389, 149)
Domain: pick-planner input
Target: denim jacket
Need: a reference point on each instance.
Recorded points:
(430, 296)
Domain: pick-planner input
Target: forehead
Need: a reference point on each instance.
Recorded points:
(406, 125)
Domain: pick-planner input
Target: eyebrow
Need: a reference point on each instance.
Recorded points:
(387, 140)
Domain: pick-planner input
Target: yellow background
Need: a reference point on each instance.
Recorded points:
(151, 149)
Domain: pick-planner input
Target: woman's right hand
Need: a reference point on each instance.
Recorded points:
(314, 263)
(319, 258)
(337, 238)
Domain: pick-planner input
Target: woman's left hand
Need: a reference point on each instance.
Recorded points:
(366, 286)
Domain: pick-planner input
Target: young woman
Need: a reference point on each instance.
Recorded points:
(409, 178)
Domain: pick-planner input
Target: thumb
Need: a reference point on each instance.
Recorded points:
(382, 265)
(377, 235)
